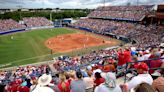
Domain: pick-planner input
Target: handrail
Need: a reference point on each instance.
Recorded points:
(126, 68)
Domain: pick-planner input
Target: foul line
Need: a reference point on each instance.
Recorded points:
(26, 59)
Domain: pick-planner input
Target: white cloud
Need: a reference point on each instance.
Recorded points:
(70, 3)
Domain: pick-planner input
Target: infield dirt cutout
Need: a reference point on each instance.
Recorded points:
(70, 42)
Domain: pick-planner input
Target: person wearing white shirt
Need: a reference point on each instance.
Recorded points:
(142, 77)
(109, 85)
(146, 78)
(89, 81)
(146, 55)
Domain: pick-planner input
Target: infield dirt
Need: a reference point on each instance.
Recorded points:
(70, 42)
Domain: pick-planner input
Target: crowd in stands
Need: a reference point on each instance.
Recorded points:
(36, 22)
(144, 35)
(103, 25)
(126, 8)
(10, 24)
(126, 12)
(97, 71)
(102, 70)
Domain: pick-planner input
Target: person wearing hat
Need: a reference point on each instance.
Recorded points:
(45, 85)
(78, 85)
(142, 76)
(44, 80)
(109, 85)
(146, 54)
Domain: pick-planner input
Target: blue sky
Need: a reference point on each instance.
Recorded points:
(70, 3)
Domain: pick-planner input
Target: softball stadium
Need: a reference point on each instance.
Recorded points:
(41, 45)
(106, 49)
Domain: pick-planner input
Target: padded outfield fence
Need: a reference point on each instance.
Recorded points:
(24, 29)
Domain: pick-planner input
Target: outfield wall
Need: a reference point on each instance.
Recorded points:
(12, 31)
(24, 29)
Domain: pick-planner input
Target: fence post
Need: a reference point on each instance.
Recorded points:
(126, 68)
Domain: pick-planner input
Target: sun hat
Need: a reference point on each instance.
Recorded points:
(110, 79)
(43, 89)
(44, 80)
(97, 70)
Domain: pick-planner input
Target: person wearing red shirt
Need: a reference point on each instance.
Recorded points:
(13, 87)
(98, 79)
(9, 89)
(127, 56)
(154, 63)
(23, 89)
(120, 57)
(63, 84)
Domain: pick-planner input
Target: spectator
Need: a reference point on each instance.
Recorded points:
(37, 22)
(24, 87)
(123, 12)
(2, 88)
(28, 83)
(9, 24)
(89, 81)
(98, 79)
(78, 85)
(45, 82)
(158, 84)
(144, 87)
(155, 63)
(142, 76)
(34, 84)
(120, 58)
(109, 85)
(127, 55)
(63, 84)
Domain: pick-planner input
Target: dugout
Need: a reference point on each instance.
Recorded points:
(66, 21)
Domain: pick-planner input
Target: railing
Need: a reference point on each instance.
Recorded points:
(36, 64)
(117, 19)
(147, 61)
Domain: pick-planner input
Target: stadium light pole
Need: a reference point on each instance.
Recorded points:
(104, 3)
(19, 7)
(137, 2)
(51, 15)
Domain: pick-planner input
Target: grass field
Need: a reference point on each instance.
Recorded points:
(28, 47)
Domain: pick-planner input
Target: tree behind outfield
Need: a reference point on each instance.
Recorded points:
(18, 15)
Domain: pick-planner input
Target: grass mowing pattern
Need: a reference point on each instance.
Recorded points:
(27, 45)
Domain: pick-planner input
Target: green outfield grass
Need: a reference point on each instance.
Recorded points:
(26, 45)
